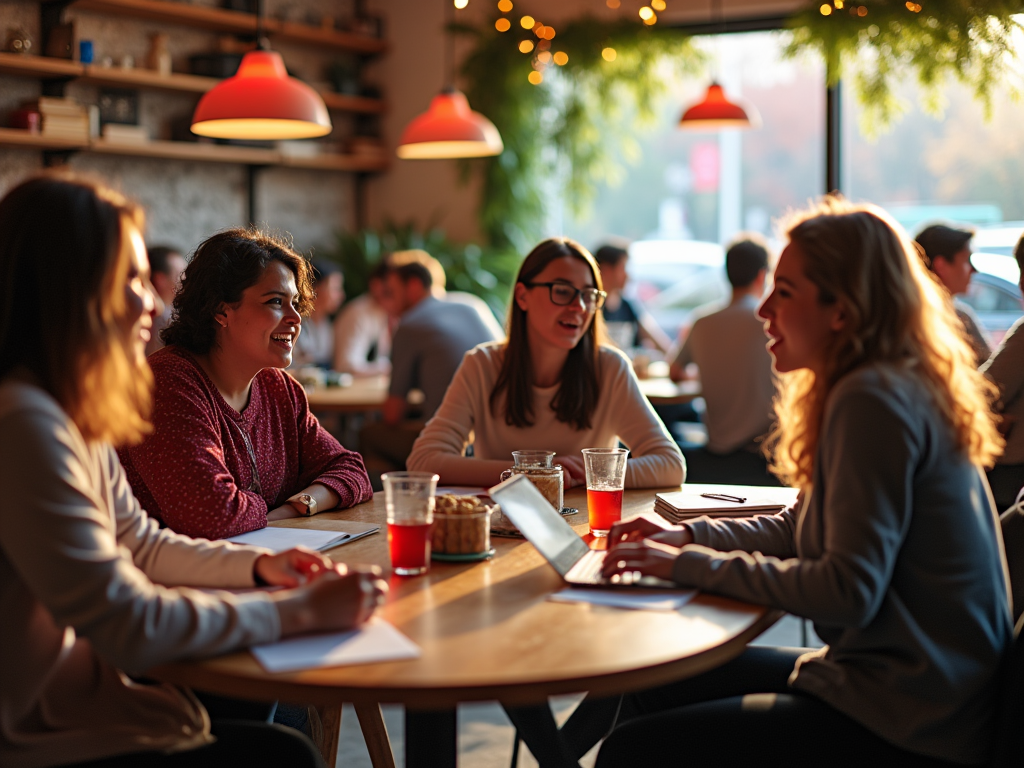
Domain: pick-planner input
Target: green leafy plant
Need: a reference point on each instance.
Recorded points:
(879, 42)
(570, 127)
(484, 271)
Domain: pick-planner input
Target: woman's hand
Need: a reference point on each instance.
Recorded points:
(650, 558)
(573, 470)
(343, 598)
(640, 528)
(291, 567)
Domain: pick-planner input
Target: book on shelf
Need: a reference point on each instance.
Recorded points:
(50, 106)
(128, 134)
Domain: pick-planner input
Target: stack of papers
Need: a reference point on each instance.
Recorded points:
(375, 641)
(689, 502)
(279, 539)
(633, 599)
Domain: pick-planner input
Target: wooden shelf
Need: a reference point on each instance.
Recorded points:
(47, 67)
(219, 20)
(185, 150)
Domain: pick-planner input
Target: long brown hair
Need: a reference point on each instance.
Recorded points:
(895, 313)
(64, 263)
(576, 399)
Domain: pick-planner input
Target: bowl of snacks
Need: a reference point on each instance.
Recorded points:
(462, 528)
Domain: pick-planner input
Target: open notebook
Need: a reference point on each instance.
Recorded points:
(688, 503)
(333, 534)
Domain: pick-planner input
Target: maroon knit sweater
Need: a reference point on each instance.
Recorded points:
(194, 471)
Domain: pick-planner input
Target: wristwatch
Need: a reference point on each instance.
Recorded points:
(306, 504)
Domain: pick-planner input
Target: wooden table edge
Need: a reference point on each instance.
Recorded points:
(205, 679)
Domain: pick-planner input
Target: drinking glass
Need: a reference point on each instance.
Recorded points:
(410, 504)
(606, 476)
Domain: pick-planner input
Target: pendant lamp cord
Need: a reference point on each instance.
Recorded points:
(449, 47)
(261, 42)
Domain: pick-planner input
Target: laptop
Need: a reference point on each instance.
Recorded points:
(555, 539)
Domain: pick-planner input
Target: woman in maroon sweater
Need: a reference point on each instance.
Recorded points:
(234, 443)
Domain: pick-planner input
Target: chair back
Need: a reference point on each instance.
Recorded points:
(1009, 746)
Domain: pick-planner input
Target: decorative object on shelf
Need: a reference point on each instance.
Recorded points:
(26, 119)
(261, 101)
(449, 128)
(118, 105)
(18, 41)
(159, 56)
(86, 51)
(60, 42)
(127, 62)
(586, 122)
(344, 75)
(881, 43)
(716, 112)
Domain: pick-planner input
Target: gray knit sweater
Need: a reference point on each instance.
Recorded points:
(895, 554)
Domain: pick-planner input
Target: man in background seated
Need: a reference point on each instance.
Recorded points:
(728, 347)
(362, 330)
(948, 254)
(629, 325)
(315, 344)
(1006, 370)
(166, 265)
(427, 348)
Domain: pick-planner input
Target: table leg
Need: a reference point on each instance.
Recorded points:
(375, 734)
(330, 732)
(431, 740)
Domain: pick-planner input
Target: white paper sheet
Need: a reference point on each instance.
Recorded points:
(280, 539)
(634, 599)
(375, 641)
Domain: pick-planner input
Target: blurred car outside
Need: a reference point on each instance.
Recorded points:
(994, 294)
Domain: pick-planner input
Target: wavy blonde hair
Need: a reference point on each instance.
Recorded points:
(897, 313)
(64, 263)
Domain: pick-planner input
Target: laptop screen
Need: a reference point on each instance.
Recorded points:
(538, 521)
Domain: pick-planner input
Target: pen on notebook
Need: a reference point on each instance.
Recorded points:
(724, 497)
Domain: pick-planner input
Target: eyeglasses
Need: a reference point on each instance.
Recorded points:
(564, 294)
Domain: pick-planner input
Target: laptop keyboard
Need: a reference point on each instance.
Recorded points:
(588, 568)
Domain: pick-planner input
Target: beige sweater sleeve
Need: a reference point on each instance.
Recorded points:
(76, 536)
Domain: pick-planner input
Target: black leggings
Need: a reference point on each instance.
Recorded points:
(706, 720)
(243, 738)
(744, 713)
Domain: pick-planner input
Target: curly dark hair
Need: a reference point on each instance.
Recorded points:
(222, 267)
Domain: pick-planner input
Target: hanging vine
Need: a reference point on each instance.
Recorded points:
(878, 42)
(554, 111)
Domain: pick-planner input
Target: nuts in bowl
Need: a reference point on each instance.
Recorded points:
(462, 525)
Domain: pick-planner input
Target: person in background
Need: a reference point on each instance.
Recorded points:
(1005, 368)
(948, 254)
(315, 345)
(428, 345)
(166, 265)
(629, 325)
(893, 548)
(234, 443)
(91, 585)
(362, 330)
(727, 345)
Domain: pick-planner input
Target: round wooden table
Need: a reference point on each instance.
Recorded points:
(487, 632)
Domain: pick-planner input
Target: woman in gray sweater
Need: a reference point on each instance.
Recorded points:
(893, 549)
(89, 584)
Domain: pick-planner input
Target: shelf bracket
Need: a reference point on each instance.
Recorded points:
(251, 172)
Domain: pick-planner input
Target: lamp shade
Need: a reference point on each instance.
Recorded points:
(449, 129)
(261, 102)
(716, 112)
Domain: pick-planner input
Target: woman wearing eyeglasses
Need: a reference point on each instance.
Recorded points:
(550, 386)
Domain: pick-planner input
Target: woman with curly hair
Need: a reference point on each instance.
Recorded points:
(90, 585)
(234, 443)
(893, 549)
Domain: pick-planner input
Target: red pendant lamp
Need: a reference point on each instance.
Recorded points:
(716, 112)
(261, 101)
(449, 128)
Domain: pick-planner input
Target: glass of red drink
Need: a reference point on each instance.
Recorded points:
(606, 476)
(410, 504)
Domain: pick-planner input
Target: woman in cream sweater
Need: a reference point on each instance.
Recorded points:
(550, 386)
(89, 584)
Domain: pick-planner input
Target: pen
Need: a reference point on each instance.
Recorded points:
(724, 497)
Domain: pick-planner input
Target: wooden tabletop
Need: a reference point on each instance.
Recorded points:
(368, 394)
(487, 632)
